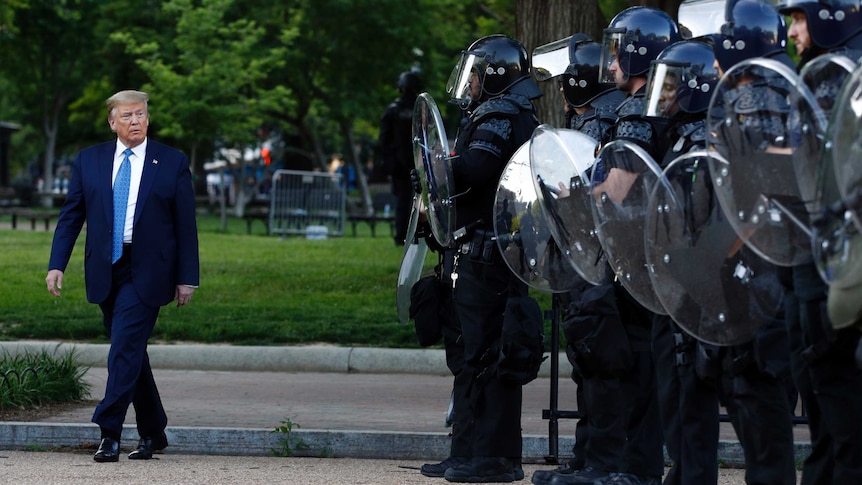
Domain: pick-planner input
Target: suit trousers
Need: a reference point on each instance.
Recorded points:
(128, 323)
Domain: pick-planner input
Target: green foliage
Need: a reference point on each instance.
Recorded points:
(211, 88)
(289, 443)
(29, 380)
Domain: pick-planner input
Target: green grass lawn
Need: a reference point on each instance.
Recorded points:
(255, 290)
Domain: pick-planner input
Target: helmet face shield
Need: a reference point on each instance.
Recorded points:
(550, 60)
(665, 89)
(611, 53)
(698, 18)
(458, 86)
(682, 79)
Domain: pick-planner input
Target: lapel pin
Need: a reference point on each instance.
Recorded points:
(155, 162)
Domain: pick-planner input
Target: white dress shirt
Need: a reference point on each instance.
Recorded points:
(137, 161)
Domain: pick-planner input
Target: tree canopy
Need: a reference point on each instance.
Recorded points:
(314, 74)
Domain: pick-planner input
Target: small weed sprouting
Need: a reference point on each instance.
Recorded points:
(289, 443)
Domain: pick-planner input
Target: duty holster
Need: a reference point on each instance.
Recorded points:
(426, 305)
(522, 341)
(595, 333)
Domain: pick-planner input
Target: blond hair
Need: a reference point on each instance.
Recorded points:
(128, 96)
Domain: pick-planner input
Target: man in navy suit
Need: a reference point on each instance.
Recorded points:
(133, 264)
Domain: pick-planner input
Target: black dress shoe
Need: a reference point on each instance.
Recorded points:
(437, 470)
(109, 450)
(482, 470)
(149, 445)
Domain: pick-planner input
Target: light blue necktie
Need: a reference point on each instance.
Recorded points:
(121, 202)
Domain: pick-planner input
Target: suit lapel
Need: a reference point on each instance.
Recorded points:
(151, 168)
(105, 174)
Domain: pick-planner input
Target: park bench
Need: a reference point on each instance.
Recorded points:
(256, 210)
(32, 215)
(379, 213)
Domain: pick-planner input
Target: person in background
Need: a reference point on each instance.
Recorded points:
(396, 148)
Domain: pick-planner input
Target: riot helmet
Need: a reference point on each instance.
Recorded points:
(409, 83)
(681, 80)
(499, 65)
(634, 38)
(581, 83)
(831, 23)
(752, 28)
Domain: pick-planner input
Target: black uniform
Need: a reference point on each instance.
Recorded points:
(749, 379)
(396, 146)
(825, 372)
(642, 454)
(599, 434)
(487, 407)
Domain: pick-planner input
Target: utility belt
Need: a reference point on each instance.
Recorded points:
(479, 246)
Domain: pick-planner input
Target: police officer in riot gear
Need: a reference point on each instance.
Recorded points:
(823, 26)
(755, 375)
(752, 28)
(679, 87)
(492, 85)
(593, 102)
(396, 148)
(599, 437)
(750, 378)
(633, 39)
(822, 357)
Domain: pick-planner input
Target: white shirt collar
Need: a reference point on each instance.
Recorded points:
(140, 151)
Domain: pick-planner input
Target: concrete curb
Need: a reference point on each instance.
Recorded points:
(312, 443)
(313, 358)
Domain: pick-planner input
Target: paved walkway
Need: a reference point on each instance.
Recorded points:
(395, 412)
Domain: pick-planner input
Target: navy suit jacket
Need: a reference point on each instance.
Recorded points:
(164, 249)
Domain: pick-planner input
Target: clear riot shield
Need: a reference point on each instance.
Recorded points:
(431, 155)
(846, 142)
(523, 231)
(834, 239)
(757, 119)
(622, 180)
(714, 287)
(560, 161)
(412, 262)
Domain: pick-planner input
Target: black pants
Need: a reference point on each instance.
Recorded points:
(600, 433)
(828, 380)
(642, 454)
(688, 407)
(487, 408)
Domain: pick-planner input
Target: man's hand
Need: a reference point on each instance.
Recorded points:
(183, 295)
(54, 281)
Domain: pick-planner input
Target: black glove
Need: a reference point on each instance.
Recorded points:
(423, 230)
(415, 182)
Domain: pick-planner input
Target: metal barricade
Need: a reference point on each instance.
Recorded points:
(303, 202)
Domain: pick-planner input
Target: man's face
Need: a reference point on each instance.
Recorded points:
(798, 31)
(130, 122)
(619, 76)
(667, 96)
(475, 86)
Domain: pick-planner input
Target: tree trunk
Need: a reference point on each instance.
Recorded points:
(352, 158)
(538, 22)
